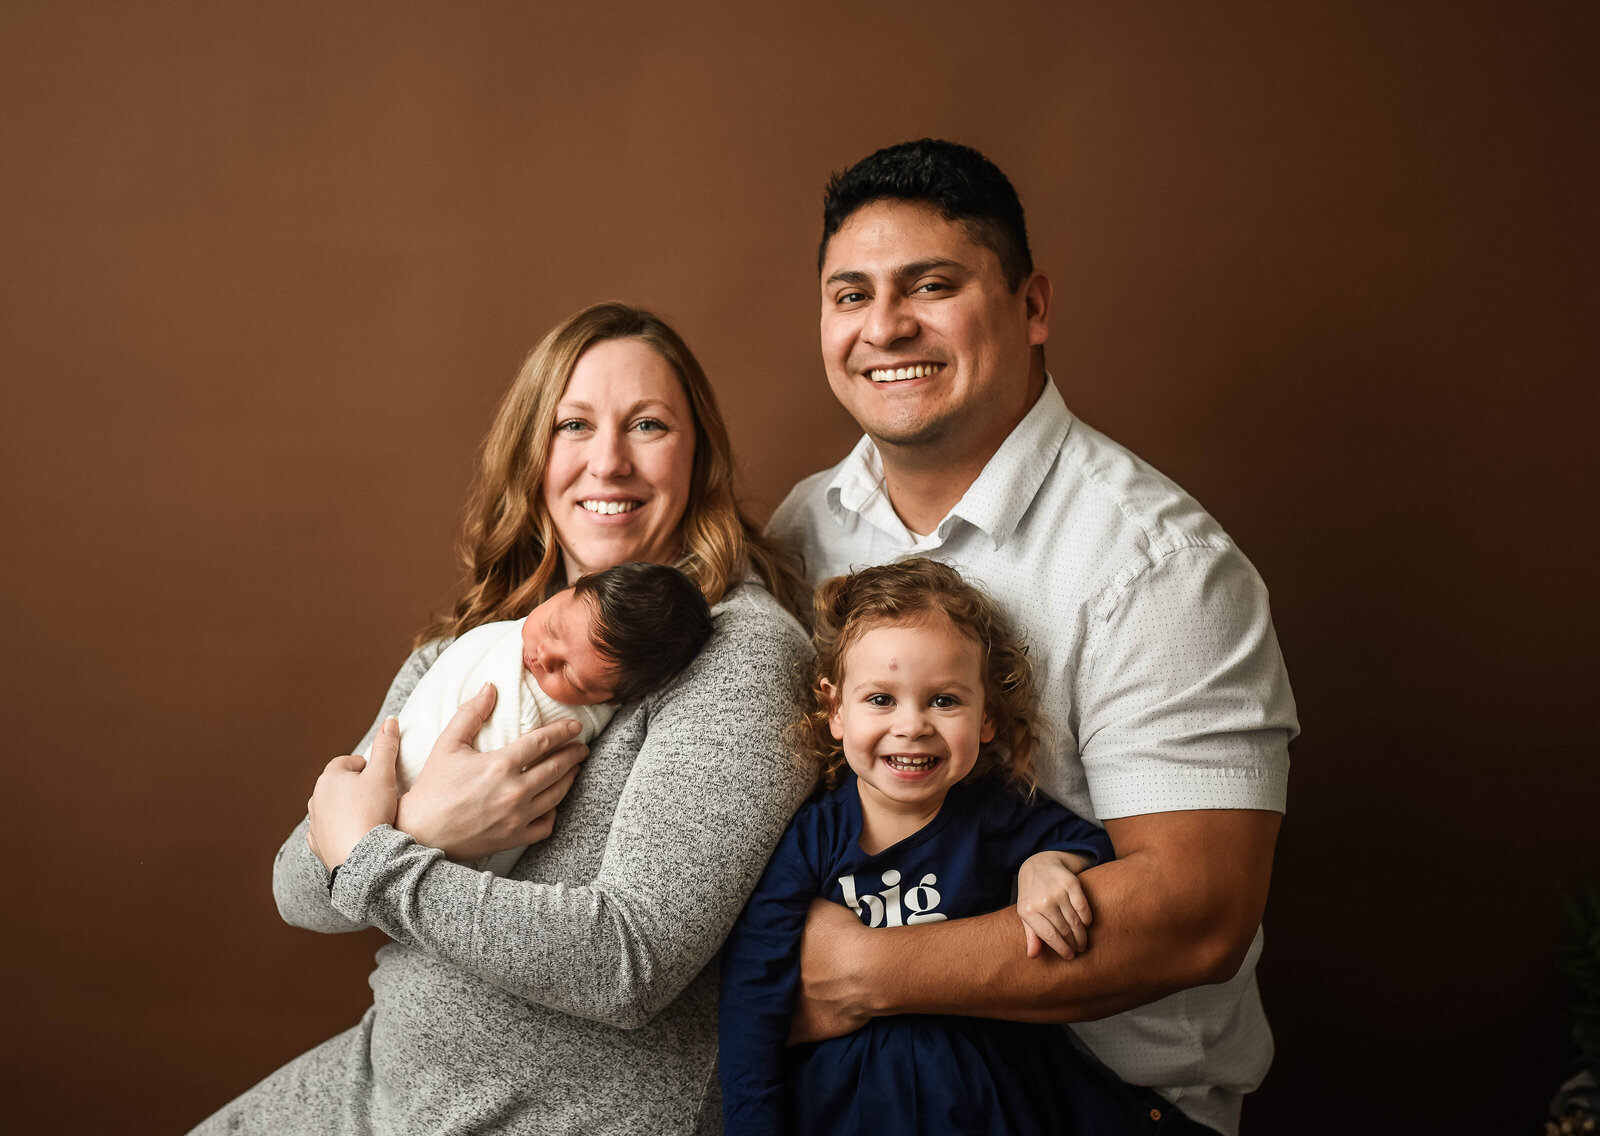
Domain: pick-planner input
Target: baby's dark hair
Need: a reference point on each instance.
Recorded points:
(912, 592)
(959, 182)
(650, 621)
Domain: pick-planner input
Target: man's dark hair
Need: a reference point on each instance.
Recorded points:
(650, 621)
(956, 180)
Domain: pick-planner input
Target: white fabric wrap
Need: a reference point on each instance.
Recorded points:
(490, 653)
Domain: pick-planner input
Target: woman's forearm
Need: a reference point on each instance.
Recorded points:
(299, 879)
(300, 887)
(705, 801)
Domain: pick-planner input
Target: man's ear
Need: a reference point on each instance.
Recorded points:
(830, 695)
(1036, 298)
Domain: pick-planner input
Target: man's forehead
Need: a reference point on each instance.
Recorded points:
(891, 236)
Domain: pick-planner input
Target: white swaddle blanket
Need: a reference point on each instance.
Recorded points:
(490, 653)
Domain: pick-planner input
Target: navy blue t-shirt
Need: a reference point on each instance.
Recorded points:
(964, 862)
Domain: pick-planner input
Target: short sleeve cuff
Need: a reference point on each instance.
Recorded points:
(1160, 788)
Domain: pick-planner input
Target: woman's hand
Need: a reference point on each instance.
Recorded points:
(470, 804)
(353, 796)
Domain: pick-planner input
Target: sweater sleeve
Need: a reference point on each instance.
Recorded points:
(299, 881)
(709, 794)
(760, 971)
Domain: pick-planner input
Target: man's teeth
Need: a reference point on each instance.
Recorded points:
(909, 764)
(609, 507)
(895, 374)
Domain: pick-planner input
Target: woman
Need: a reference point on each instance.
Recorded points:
(573, 995)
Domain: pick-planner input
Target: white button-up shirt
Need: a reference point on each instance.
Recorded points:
(1159, 675)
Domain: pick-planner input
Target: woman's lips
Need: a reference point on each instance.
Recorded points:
(604, 508)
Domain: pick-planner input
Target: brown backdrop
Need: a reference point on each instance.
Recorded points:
(266, 268)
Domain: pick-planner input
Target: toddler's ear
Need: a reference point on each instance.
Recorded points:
(830, 697)
(987, 732)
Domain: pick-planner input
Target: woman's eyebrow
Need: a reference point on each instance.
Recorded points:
(648, 404)
(566, 406)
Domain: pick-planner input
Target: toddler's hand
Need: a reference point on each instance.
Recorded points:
(1051, 903)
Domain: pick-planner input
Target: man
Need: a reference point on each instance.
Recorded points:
(1159, 669)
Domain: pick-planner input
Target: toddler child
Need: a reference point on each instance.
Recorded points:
(611, 637)
(923, 715)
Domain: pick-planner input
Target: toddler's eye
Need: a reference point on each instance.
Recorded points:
(945, 701)
(879, 700)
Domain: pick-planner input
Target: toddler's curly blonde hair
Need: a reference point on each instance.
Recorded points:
(909, 592)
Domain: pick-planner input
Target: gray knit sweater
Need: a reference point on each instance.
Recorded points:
(574, 995)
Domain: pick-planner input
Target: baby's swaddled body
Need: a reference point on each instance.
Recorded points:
(489, 653)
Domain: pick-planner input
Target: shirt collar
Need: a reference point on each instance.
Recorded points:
(994, 503)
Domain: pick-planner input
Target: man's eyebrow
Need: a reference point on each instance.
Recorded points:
(847, 276)
(901, 272)
(922, 267)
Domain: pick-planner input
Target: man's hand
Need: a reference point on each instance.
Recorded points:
(470, 805)
(1051, 903)
(1177, 908)
(826, 1004)
(353, 796)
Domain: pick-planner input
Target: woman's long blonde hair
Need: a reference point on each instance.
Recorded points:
(508, 544)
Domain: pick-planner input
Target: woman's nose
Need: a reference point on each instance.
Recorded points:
(889, 320)
(608, 455)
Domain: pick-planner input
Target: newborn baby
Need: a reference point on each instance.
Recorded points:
(611, 637)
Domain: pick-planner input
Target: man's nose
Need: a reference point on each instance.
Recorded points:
(889, 320)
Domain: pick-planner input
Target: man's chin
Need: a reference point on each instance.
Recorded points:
(909, 435)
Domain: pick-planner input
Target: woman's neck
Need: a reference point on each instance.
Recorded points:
(885, 822)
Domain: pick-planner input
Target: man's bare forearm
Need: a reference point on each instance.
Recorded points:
(1178, 908)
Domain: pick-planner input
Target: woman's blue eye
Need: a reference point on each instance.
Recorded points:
(650, 425)
(569, 426)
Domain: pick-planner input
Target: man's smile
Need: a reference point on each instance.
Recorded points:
(900, 374)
